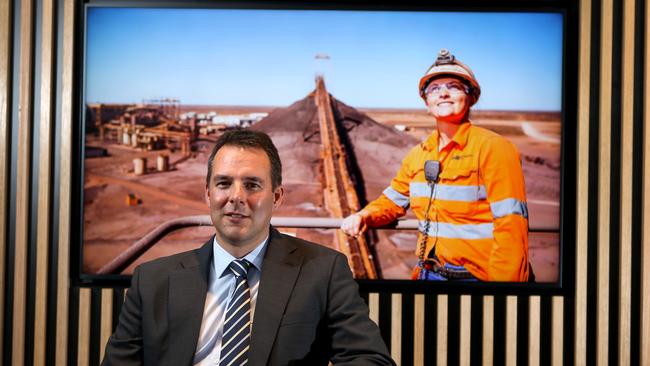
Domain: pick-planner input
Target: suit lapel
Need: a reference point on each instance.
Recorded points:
(187, 291)
(280, 270)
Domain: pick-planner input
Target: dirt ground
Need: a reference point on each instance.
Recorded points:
(111, 225)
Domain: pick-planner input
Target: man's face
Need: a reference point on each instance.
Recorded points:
(447, 100)
(241, 197)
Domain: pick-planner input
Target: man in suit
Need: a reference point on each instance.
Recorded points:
(250, 295)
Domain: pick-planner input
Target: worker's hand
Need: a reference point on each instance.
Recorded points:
(354, 224)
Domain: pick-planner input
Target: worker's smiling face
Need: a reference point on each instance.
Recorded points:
(241, 196)
(447, 100)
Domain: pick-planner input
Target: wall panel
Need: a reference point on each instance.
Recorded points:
(488, 330)
(534, 331)
(626, 181)
(5, 133)
(604, 184)
(418, 330)
(44, 181)
(65, 180)
(603, 319)
(23, 173)
(645, 239)
(582, 195)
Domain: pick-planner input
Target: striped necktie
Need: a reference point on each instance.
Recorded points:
(237, 327)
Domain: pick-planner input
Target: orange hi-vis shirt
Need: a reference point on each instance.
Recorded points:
(478, 216)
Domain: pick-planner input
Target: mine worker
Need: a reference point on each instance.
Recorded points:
(465, 185)
(250, 295)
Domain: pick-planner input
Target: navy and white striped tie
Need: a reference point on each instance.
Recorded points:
(237, 327)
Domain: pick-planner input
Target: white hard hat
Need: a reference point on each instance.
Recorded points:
(447, 65)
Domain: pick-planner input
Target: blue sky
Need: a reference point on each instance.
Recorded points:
(266, 57)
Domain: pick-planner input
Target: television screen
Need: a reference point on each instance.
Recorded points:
(338, 92)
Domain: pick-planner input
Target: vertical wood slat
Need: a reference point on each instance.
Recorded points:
(645, 240)
(602, 351)
(557, 334)
(625, 218)
(488, 330)
(534, 314)
(443, 321)
(106, 327)
(396, 328)
(23, 186)
(373, 307)
(645, 245)
(83, 344)
(582, 195)
(43, 230)
(5, 16)
(511, 330)
(65, 181)
(418, 330)
(465, 329)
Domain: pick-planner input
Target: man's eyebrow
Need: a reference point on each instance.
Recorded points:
(254, 179)
(221, 177)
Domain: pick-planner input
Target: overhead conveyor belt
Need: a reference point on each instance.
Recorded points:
(339, 191)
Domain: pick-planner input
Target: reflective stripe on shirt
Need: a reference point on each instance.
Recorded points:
(449, 192)
(509, 206)
(462, 231)
(397, 198)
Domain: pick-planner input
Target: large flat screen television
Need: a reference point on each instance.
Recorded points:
(160, 82)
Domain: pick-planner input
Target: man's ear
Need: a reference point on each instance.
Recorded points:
(207, 195)
(278, 194)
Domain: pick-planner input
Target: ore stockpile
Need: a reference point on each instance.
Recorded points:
(351, 156)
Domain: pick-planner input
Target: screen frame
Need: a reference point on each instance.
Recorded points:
(568, 151)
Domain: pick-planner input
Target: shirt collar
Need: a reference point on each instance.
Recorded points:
(460, 138)
(221, 258)
(462, 134)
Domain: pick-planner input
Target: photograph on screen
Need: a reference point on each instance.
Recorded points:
(338, 93)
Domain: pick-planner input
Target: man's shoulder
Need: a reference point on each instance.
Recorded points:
(318, 262)
(170, 262)
(307, 248)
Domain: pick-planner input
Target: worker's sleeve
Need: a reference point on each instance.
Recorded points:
(506, 193)
(394, 200)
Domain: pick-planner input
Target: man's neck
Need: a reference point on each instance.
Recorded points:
(240, 250)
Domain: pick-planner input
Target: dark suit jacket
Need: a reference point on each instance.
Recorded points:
(308, 310)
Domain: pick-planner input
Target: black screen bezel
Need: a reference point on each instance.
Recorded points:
(568, 146)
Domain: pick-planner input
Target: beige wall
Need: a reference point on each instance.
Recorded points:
(605, 318)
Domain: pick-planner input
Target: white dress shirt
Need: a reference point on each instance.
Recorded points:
(220, 288)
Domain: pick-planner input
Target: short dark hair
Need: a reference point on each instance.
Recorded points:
(249, 139)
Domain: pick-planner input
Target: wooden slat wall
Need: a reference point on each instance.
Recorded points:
(626, 179)
(582, 180)
(488, 330)
(23, 174)
(62, 343)
(606, 320)
(67, 18)
(5, 135)
(604, 183)
(645, 239)
(44, 184)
